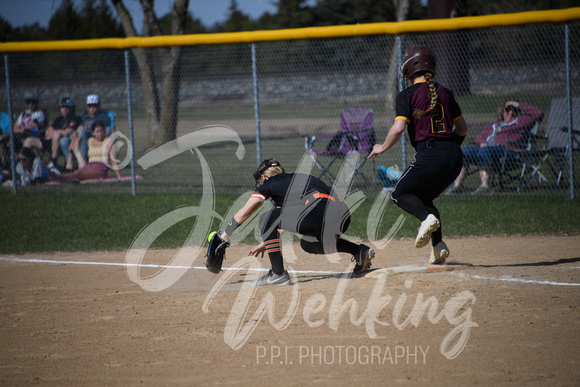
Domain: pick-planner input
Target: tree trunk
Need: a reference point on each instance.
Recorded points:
(450, 47)
(161, 107)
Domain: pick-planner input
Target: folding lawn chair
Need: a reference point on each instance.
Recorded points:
(528, 165)
(557, 134)
(550, 150)
(356, 135)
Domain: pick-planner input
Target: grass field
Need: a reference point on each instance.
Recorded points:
(96, 217)
(50, 223)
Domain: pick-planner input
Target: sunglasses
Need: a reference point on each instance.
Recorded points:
(22, 159)
(30, 101)
(93, 105)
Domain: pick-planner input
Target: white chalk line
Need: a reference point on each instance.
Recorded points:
(33, 260)
(512, 279)
(462, 275)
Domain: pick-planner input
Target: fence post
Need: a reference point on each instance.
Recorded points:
(130, 118)
(401, 88)
(256, 104)
(569, 106)
(11, 124)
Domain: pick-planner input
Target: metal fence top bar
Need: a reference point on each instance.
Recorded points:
(392, 28)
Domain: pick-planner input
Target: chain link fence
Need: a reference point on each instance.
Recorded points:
(239, 103)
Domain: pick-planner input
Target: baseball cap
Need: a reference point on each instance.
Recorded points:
(67, 101)
(30, 96)
(93, 99)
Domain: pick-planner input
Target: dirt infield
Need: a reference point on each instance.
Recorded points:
(513, 317)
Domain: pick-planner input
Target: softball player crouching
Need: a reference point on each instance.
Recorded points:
(305, 205)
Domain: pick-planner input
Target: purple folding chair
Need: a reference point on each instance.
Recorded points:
(356, 135)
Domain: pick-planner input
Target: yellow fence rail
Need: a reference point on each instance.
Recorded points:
(392, 28)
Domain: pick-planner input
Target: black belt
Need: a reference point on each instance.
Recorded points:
(435, 144)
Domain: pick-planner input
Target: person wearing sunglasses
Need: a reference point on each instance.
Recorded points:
(29, 170)
(509, 130)
(29, 128)
(304, 205)
(32, 121)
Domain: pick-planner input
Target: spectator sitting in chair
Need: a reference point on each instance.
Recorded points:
(29, 170)
(101, 157)
(64, 125)
(93, 114)
(508, 131)
(28, 129)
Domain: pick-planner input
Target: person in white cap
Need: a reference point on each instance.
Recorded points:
(92, 115)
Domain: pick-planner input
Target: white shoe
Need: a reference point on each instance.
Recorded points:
(52, 168)
(439, 254)
(427, 227)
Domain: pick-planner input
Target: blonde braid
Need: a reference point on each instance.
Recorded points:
(432, 94)
(432, 90)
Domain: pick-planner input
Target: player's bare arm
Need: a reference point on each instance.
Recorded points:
(393, 136)
(461, 127)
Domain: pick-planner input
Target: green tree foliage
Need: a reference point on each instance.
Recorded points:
(95, 19)
(65, 23)
(98, 21)
(192, 25)
(490, 7)
(340, 12)
(236, 20)
(293, 14)
(30, 32)
(18, 34)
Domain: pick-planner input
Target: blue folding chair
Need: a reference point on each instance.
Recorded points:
(5, 118)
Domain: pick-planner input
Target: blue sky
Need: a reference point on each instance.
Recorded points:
(21, 12)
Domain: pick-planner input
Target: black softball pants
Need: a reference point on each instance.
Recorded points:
(320, 223)
(435, 167)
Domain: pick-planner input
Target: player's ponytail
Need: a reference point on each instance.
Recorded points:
(417, 113)
(273, 171)
(432, 90)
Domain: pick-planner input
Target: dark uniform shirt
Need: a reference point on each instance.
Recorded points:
(291, 189)
(61, 122)
(436, 125)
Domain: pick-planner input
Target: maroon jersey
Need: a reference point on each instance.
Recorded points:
(436, 125)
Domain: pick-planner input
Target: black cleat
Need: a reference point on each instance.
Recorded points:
(363, 259)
